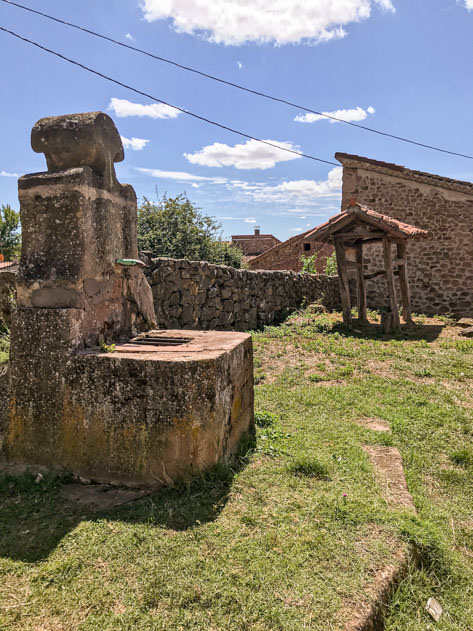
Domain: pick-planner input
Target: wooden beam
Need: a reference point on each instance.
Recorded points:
(388, 264)
(343, 282)
(359, 234)
(375, 274)
(362, 310)
(404, 282)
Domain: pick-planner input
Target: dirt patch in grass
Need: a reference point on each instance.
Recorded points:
(367, 612)
(375, 424)
(389, 471)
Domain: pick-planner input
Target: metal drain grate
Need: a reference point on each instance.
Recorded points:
(149, 340)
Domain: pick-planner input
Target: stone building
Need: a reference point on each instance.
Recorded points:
(253, 245)
(287, 255)
(441, 266)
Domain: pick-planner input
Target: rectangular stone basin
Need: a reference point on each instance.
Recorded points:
(145, 414)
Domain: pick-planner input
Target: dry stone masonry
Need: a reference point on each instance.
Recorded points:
(199, 295)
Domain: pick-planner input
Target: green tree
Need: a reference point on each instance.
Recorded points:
(176, 228)
(10, 238)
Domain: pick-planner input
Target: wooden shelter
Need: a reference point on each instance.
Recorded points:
(355, 227)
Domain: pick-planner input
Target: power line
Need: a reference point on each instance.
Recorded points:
(236, 85)
(153, 98)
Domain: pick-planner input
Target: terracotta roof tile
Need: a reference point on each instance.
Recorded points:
(383, 222)
(6, 264)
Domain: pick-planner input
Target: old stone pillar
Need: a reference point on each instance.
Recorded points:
(164, 404)
(77, 220)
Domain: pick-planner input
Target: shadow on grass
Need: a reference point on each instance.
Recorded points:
(427, 332)
(34, 517)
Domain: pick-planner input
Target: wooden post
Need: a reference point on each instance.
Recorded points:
(343, 282)
(362, 312)
(388, 264)
(404, 282)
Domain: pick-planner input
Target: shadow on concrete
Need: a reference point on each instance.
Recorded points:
(34, 516)
(427, 332)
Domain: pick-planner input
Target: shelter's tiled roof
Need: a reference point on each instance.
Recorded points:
(398, 170)
(369, 216)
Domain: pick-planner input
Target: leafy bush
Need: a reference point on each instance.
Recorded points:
(174, 227)
(308, 264)
(331, 265)
(265, 419)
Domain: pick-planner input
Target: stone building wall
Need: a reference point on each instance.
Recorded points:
(287, 255)
(441, 266)
(199, 295)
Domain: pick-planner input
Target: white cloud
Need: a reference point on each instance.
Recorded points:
(240, 65)
(237, 22)
(297, 191)
(135, 144)
(308, 198)
(181, 176)
(7, 174)
(249, 155)
(295, 229)
(123, 108)
(469, 5)
(130, 37)
(244, 219)
(351, 115)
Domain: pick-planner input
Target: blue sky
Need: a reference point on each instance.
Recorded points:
(403, 66)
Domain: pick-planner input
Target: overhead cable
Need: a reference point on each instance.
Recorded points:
(153, 98)
(235, 85)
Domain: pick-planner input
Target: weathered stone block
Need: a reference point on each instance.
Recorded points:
(141, 417)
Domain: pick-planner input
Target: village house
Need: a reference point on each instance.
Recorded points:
(288, 254)
(252, 245)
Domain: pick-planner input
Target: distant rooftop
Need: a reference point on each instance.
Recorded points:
(256, 243)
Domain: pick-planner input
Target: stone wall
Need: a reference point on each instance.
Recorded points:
(7, 293)
(441, 266)
(198, 295)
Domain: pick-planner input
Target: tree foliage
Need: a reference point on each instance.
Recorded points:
(174, 227)
(10, 238)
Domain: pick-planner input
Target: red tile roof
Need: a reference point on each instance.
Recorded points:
(5, 264)
(357, 211)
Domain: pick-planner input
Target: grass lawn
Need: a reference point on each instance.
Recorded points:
(291, 539)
